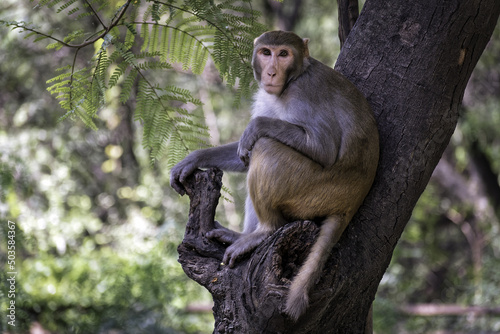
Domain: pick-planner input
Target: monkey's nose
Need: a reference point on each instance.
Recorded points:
(271, 74)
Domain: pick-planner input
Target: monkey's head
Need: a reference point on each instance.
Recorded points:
(278, 58)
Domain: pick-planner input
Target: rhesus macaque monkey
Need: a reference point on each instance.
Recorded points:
(311, 151)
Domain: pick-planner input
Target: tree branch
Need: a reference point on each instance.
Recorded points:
(348, 12)
(96, 14)
(76, 46)
(448, 309)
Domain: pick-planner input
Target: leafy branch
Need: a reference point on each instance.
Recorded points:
(144, 37)
(25, 27)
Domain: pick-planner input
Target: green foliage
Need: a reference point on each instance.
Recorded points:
(98, 229)
(98, 290)
(139, 38)
(481, 124)
(80, 271)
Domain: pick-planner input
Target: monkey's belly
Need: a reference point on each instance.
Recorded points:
(283, 181)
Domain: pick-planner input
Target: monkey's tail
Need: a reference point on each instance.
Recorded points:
(298, 295)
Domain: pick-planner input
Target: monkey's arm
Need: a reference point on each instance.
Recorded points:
(323, 151)
(224, 157)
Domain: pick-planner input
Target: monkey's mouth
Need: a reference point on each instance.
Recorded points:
(270, 88)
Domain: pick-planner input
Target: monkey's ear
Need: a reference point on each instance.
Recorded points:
(257, 38)
(306, 48)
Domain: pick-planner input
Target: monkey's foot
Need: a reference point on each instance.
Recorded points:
(239, 248)
(223, 234)
(245, 244)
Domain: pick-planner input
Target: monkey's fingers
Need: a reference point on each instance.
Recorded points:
(223, 235)
(244, 245)
(178, 188)
(243, 153)
(179, 175)
(176, 184)
(230, 258)
(244, 157)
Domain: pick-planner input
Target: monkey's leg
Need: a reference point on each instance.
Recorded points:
(228, 236)
(251, 221)
(270, 219)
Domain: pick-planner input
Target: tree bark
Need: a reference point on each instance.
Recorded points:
(412, 60)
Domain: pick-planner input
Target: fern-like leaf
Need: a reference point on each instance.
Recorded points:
(188, 32)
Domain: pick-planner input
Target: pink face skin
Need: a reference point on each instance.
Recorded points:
(274, 62)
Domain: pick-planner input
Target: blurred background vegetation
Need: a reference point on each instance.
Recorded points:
(98, 225)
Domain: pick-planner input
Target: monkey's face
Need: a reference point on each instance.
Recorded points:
(273, 66)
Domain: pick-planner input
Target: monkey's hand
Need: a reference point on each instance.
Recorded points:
(223, 157)
(180, 172)
(247, 141)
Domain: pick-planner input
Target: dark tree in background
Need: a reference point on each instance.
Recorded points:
(412, 60)
(286, 13)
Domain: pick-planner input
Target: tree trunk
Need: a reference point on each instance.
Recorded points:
(412, 60)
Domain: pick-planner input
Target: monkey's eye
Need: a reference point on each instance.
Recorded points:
(283, 53)
(266, 52)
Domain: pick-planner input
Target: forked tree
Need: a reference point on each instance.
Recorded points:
(412, 60)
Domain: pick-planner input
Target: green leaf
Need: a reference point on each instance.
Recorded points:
(164, 33)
